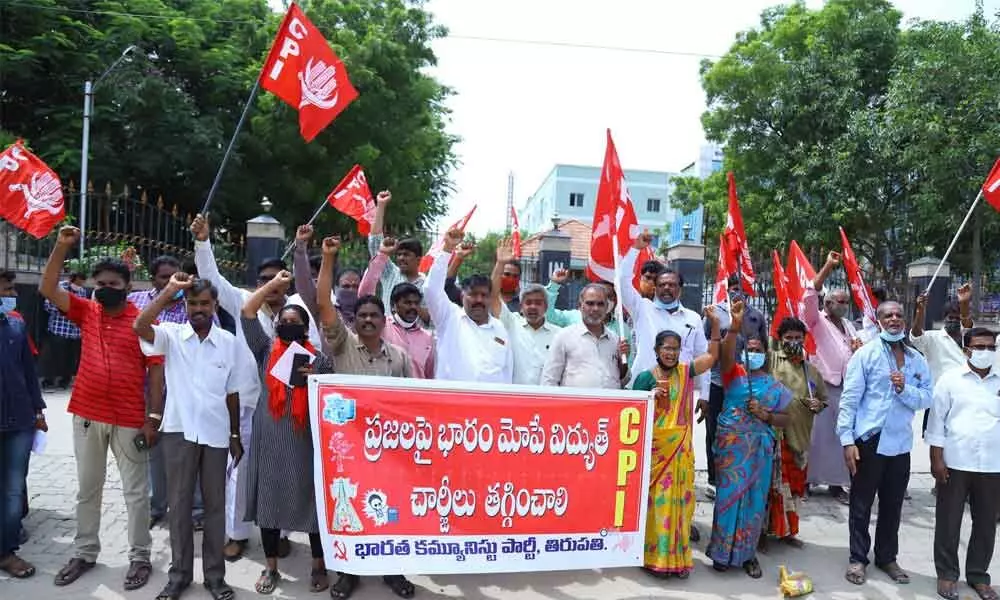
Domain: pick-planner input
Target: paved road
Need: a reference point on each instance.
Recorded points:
(52, 487)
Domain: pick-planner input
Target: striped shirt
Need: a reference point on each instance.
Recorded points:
(111, 381)
(59, 325)
(175, 313)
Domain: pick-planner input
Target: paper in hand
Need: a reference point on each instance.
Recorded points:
(38, 444)
(282, 370)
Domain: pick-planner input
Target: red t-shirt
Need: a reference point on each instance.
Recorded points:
(110, 385)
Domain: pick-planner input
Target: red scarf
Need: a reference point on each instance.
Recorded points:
(276, 390)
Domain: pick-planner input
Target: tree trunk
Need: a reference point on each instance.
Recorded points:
(977, 261)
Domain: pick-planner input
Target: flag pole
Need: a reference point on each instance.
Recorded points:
(619, 313)
(229, 148)
(309, 222)
(954, 240)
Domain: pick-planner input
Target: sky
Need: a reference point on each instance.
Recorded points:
(523, 108)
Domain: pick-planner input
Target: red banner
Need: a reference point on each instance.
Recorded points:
(31, 196)
(423, 482)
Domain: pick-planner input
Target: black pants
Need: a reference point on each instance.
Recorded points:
(60, 359)
(269, 538)
(983, 493)
(888, 477)
(716, 398)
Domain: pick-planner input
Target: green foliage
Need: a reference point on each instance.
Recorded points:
(481, 261)
(94, 254)
(163, 118)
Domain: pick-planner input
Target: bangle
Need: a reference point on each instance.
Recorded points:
(715, 340)
(155, 416)
(39, 416)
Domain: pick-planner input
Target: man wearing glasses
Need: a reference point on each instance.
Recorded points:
(885, 384)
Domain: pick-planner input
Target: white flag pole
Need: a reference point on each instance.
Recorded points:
(309, 222)
(954, 240)
(619, 313)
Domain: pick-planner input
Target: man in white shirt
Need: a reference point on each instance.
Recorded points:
(587, 354)
(963, 432)
(530, 334)
(200, 427)
(664, 312)
(471, 344)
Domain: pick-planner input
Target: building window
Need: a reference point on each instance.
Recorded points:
(576, 199)
(652, 205)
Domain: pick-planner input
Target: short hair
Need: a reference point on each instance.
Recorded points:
(666, 334)
(791, 324)
(402, 290)
(878, 310)
(7, 275)
(880, 295)
(189, 267)
(733, 280)
(514, 263)
(316, 261)
(159, 261)
(651, 266)
(303, 313)
(115, 265)
(271, 263)
(596, 286)
(977, 332)
(669, 271)
(477, 280)
(370, 299)
(411, 245)
(533, 288)
(200, 286)
(348, 271)
(77, 275)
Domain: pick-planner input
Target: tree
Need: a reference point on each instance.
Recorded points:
(163, 119)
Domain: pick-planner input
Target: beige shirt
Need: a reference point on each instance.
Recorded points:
(351, 357)
(578, 358)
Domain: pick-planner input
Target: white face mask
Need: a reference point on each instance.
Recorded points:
(982, 359)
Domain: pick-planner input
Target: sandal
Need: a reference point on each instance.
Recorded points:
(221, 591)
(752, 567)
(946, 589)
(654, 573)
(794, 542)
(984, 591)
(720, 567)
(318, 581)
(72, 571)
(345, 586)
(172, 591)
(17, 567)
(856, 573)
(267, 581)
(400, 585)
(233, 550)
(683, 574)
(895, 573)
(695, 535)
(138, 574)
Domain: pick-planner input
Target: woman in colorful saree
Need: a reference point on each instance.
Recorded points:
(744, 451)
(670, 509)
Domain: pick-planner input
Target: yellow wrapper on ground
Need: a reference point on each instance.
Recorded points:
(794, 585)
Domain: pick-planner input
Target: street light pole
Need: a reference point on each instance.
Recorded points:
(88, 108)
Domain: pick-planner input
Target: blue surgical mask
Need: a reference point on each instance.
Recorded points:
(7, 304)
(891, 337)
(666, 305)
(755, 360)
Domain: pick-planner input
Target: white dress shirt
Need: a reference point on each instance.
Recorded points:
(199, 375)
(466, 351)
(965, 420)
(941, 352)
(648, 321)
(580, 359)
(529, 345)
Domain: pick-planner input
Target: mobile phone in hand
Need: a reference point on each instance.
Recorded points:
(140, 442)
(297, 378)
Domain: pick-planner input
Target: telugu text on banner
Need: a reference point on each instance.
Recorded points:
(431, 477)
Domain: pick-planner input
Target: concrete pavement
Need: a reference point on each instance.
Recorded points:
(52, 490)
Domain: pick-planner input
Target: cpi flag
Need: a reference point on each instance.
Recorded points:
(863, 296)
(800, 275)
(428, 259)
(473, 478)
(353, 198)
(516, 236)
(31, 196)
(738, 249)
(991, 187)
(783, 304)
(721, 295)
(303, 70)
(615, 226)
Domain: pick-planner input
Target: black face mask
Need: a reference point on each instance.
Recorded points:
(792, 348)
(110, 297)
(290, 332)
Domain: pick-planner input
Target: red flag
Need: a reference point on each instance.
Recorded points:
(31, 196)
(353, 198)
(303, 70)
(799, 275)
(517, 233)
(721, 295)
(738, 255)
(863, 296)
(991, 187)
(614, 219)
(428, 259)
(783, 304)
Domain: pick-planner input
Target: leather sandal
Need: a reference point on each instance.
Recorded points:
(138, 574)
(345, 586)
(946, 589)
(895, 573)
(984, 591)
(856, 573)
(399, 585)
(72, 571)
